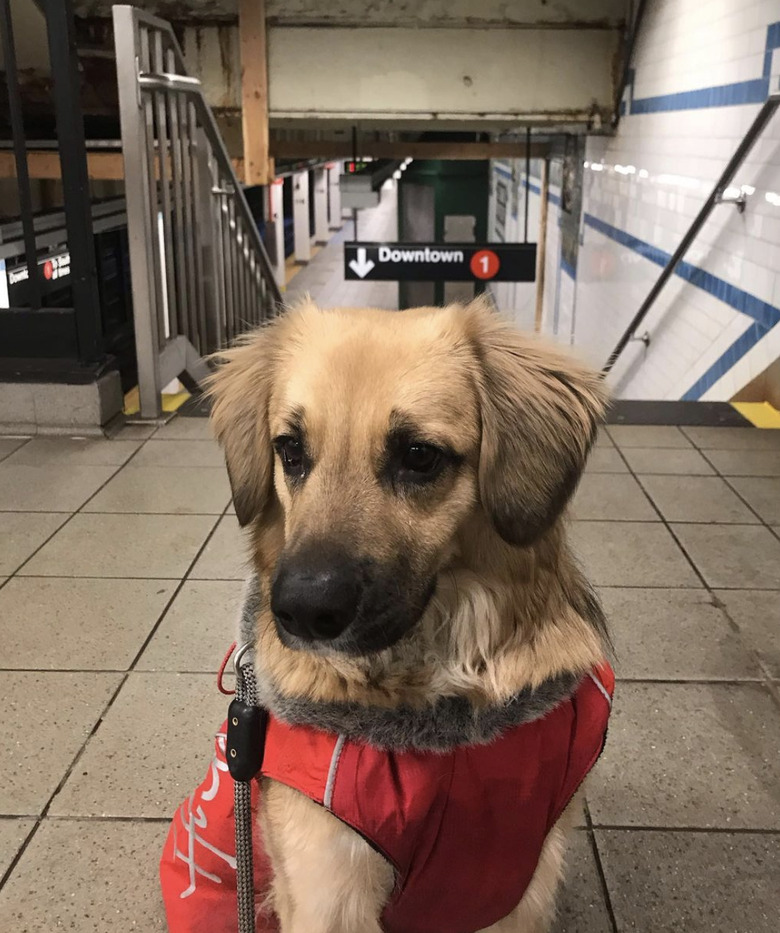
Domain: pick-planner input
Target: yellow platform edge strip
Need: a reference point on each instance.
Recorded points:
(759, 414)
(170, 403)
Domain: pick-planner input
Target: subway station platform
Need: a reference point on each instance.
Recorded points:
(122, 566)
(170, 181)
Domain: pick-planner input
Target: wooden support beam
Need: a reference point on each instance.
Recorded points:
(342, 149)
(541, 249)
(101, 166)
(258, 164)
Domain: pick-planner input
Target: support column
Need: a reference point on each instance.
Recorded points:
(301, 217)
(69, 117)
(276, 212)
(334, 196)
(321, 205)
(258, 164)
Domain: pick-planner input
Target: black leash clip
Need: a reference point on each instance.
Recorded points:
(246, 728)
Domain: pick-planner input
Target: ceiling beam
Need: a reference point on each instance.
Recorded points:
(342, 149)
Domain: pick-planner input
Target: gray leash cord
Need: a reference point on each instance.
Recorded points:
(246, 692)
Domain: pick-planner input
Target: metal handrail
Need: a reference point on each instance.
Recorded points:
(765, 114)
(199, 269)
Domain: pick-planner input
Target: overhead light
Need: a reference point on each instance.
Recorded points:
(397, 174)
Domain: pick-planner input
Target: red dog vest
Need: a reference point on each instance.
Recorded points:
(463, 829)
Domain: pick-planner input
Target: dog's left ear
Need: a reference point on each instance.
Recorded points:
(239, 390)
(540, 412)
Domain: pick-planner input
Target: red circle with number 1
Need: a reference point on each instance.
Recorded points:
(485, 264)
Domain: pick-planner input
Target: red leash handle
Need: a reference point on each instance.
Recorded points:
(221, 672)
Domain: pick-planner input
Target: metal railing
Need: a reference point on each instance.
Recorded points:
(717, 196)
(200, 272)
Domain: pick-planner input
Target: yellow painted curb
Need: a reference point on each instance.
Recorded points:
(169, 402)
(759, 414)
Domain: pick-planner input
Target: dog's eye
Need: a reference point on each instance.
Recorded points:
(421, 458)
(290, 450)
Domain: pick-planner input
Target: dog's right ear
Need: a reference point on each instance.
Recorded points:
(240, 389)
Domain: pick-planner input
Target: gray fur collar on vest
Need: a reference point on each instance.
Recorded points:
(446, 724)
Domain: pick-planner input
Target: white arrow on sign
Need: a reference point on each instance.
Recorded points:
(361, 266)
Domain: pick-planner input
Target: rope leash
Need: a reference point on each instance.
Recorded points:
(245, 744)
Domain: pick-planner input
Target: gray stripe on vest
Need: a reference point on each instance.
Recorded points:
(334, 767)
(602, 689)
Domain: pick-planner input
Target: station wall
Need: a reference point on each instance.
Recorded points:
(699, 75)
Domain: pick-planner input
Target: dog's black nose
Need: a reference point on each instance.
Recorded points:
(315, 598)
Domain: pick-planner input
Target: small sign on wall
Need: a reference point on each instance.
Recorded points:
(440, 262)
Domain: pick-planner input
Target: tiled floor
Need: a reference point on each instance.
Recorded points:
(123, 563)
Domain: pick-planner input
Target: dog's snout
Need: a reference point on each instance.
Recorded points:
(315, 599)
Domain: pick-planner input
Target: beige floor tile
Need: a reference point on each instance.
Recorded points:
(689, 755)
(13, 832)
(757, 613)
(631, 554)
(733, 556)
(187, 429)
(48, 488)
(52, 622)
(70, 452)
(674, 635)
(581, 907)
(183, 490)
(134, 432)
(696, 499)
(22, 533)
(226, 556)
(678, 882)
(9, 444)
(613, 498)
(87, 876)
(153, 546)
(151, 750)
(762, 493)
(179, 453)
(606, 460)
(198, 628)
(746, 462)
(652, 436)
(670, 461)
(47, 717)
(603, 439)
(734, 438)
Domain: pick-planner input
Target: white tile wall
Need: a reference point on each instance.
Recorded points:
(685, 45)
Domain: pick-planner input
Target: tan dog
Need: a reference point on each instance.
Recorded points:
(404, 477)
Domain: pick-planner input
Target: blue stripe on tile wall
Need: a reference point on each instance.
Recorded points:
(753, 91)
(764, 315)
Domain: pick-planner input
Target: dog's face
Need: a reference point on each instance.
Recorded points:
(373, 437)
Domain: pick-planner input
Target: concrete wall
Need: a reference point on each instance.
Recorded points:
(475, 74)
(434, 60)
(383, 12)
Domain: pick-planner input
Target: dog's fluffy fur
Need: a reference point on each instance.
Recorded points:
(511, 619)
